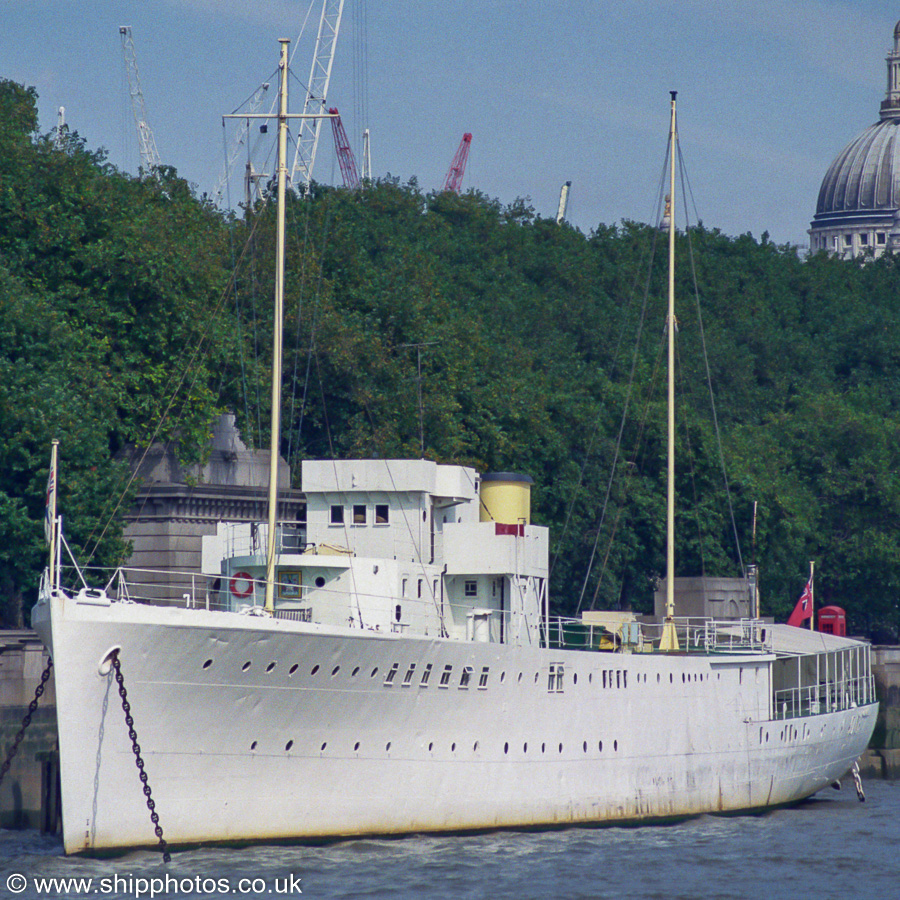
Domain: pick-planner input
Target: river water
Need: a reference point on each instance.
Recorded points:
(831, 846)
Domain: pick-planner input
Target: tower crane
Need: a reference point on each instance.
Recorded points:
(458, 167)
(317, 91)
(343, 151)
(149, 154)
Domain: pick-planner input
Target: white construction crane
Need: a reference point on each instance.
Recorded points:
(238, 141)
(316, 93)
(149, 154)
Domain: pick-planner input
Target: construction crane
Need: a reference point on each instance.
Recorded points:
(343, 151)
(316, 92)
(149, 154)
(238, 141)
(458, 167)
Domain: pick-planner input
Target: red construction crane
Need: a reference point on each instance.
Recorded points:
(344, 153)
(458, 166)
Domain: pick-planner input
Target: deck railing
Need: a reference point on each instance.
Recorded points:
(811, 700)
(694, 635)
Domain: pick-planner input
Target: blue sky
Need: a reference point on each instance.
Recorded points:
(769, 91)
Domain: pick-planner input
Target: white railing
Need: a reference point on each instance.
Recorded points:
(243, 539)
(811, 700)
(694, 635)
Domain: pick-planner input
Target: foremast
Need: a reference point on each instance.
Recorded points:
(277, 328)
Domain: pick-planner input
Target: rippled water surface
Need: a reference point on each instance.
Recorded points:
(830, 846)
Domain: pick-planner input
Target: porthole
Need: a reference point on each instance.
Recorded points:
(600, 746)
(288, 745)
(320, 582)
(293, 669)
(502, 677)
(671, 678)
(324, 745)
(207, 664)
(270, 666)
(453, 747)
(355, 672)
(615, 745)
(543, 748)
(430, 746)
(590, 677)
(536, 674)
(356, 747)
(506, 748)
(657, 677)
(387, 747)
(475, 747)
(314, 670)
(584, 746)
(560, 748)
(519, 679)
(245, 666)
(525, 747)
(374, 672)
(335, 670)
(574, 678)
(253, 746)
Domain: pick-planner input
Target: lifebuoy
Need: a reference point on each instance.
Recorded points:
(238, 582)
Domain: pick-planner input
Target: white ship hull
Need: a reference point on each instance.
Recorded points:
(316, 745)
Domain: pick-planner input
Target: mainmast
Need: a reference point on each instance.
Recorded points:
(669, 639)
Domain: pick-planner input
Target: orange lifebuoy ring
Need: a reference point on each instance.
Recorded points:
(236, 582)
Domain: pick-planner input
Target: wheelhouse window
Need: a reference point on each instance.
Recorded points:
(382, 514)
(359, 513)
(337, 515)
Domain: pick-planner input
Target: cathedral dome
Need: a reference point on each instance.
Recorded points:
(859, 199)
(866, 174)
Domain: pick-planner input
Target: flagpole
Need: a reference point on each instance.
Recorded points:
(812, 595)
(51, 514)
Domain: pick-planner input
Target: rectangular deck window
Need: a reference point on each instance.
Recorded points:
(483, 678)
(407, 678)
(337, 515)
(426, 674)
(359, 513)
(555, 678)
(445, 676)
(382, 514)
(465, 677)
(389, 678)
(471, 588)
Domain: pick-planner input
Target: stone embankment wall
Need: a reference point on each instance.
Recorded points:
(22, 660)
(882, 759)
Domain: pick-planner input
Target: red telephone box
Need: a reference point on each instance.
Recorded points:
(833, 620)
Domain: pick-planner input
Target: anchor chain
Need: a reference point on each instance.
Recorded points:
(26, 721)
(138, 760)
